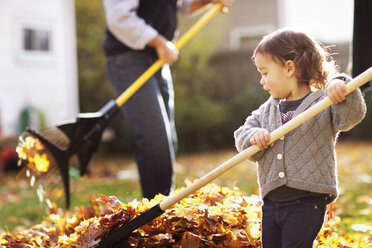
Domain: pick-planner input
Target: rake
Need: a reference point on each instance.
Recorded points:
(80, 137)
(157, 210)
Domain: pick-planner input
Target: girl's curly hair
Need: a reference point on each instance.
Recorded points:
(314, 65)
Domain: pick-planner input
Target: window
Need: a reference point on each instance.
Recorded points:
(36, 40)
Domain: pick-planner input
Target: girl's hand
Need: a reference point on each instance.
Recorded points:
(261, 138)
(336, 90)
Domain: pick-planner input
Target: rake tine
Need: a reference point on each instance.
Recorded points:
(61, 160)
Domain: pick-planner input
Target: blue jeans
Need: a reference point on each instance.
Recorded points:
(150, 114)
(292, 224)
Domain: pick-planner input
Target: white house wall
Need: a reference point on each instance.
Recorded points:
(44, 80)
(328, 21)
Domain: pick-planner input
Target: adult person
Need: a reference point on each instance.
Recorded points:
(138, 33)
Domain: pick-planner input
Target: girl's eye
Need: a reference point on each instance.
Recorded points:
(264, 74)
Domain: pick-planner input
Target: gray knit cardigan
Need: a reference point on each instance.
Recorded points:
(305, 158)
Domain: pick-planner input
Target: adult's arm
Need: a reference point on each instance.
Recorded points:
(124, 23)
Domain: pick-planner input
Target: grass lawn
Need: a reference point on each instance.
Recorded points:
(20, 207)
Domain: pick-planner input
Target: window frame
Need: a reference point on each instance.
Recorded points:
(24, 55)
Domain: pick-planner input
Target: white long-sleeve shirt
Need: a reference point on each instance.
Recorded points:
(124, 23)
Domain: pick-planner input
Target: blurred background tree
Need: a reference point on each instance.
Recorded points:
(94, 88)
(210, 104)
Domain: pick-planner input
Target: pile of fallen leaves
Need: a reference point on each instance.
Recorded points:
(211, 217)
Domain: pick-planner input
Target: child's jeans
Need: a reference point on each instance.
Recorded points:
(292, 224)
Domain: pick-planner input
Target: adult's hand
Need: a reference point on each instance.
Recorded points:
(165, 49)
(197, 4)
(224, 3)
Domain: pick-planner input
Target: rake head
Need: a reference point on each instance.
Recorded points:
(79, 138)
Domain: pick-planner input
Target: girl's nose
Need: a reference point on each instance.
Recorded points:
(262, 82)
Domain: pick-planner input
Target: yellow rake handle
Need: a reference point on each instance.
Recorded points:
(158, 64)
(275, 135)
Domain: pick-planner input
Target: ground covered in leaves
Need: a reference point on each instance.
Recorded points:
(212, 217)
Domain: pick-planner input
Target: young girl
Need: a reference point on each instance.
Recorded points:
(297, 175)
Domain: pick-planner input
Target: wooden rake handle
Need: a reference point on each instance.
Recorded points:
(275, 135)
(158, 64)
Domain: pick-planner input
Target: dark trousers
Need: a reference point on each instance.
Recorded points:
(292, 224)
(149, 113)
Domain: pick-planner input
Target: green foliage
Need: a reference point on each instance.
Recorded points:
(198, 112)
(94, 88)
(208, 108)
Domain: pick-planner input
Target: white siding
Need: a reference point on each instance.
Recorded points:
(46, 81)
(328, 21)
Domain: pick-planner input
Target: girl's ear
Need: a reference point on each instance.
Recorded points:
(291, 67)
